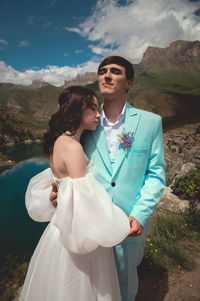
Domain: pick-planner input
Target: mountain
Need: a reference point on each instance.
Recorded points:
(38, 83)
(24, 111)
(166, 82)
(178, 52)
(82, 80)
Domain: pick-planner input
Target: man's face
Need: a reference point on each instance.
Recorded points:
(113, 82)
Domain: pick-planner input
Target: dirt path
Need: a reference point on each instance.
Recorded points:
(167, 286)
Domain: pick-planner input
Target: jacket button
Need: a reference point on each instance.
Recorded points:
(113, 184)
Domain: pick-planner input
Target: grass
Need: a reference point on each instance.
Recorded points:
(12, 274)
(170, 242)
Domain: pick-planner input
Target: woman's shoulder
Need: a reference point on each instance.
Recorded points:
(67, 144)
(68, 158)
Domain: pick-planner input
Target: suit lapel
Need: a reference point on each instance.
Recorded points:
(101, 144)
(130, 124)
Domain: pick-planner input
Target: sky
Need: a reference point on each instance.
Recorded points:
(54, 40)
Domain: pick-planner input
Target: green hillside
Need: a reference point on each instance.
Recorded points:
(170, 90)
(25, 111)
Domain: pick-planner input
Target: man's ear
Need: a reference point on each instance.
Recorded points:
(129, 83)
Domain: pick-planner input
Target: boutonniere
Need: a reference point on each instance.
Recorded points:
(126, 139)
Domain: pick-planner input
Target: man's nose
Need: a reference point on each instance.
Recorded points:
(108, 74)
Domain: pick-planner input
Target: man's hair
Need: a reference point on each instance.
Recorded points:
(118, 60)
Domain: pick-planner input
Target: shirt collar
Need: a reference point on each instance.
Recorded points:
(120, 117)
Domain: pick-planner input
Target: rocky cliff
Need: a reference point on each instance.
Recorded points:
(38, 83)
(82, 79)
(177, 52)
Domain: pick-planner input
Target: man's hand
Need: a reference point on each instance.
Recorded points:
(135, 227)
(54, 194)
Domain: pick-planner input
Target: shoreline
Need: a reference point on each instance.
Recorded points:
(27, 141)
(4, 160)
(7, 163)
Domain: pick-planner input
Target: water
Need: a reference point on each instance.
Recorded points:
(18, 233)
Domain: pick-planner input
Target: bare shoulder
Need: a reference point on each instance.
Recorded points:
(68, 157)
(66, 143)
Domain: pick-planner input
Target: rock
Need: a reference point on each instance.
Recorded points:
(182, 150)
(186, 167)
(17, 295)
(82, 79)
(177, 52)
(170, 202)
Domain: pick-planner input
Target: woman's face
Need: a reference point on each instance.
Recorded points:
(90, 116)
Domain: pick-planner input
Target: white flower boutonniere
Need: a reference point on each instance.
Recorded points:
(126, 139)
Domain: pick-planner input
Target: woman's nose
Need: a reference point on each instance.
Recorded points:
(98, 115)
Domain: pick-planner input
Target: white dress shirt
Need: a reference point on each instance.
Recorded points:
(112, 130)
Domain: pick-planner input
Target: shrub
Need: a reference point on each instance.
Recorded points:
(188, 186)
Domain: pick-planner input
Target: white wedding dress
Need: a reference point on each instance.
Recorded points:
(73, 260)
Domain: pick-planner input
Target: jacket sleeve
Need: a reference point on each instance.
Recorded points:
(37, 195)
(154, 182)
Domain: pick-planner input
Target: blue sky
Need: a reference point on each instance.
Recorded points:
(54, 40)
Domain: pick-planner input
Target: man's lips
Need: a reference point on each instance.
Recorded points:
(107, 84)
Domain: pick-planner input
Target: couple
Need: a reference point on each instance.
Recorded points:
(73, 260)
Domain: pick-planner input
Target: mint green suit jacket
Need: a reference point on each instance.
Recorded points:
(137, 179)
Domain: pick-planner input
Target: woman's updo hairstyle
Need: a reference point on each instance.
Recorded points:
(72, 102)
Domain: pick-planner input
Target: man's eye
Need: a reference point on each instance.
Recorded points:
(115, 71)
(102, 71)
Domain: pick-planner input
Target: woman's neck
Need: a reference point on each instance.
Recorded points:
(76, 136)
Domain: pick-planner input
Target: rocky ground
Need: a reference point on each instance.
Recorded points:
(182, 150)
(168, 285)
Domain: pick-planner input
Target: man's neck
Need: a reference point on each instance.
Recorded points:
(113, 109)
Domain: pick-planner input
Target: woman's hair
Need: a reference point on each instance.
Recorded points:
(72, 102)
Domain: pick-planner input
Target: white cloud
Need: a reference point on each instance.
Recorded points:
(51, 74)
(23, 44)
(30, 19)
(65, 54)
(47, 24)
(73, 29)
(78, 51)
(4, 42)
(129, 29)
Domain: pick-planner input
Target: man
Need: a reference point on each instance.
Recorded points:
(133, 172)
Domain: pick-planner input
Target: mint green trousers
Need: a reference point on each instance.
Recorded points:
(128, 255)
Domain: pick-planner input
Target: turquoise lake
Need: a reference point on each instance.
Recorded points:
(19, 234)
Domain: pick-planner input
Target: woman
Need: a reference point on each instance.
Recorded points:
(73, 259)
